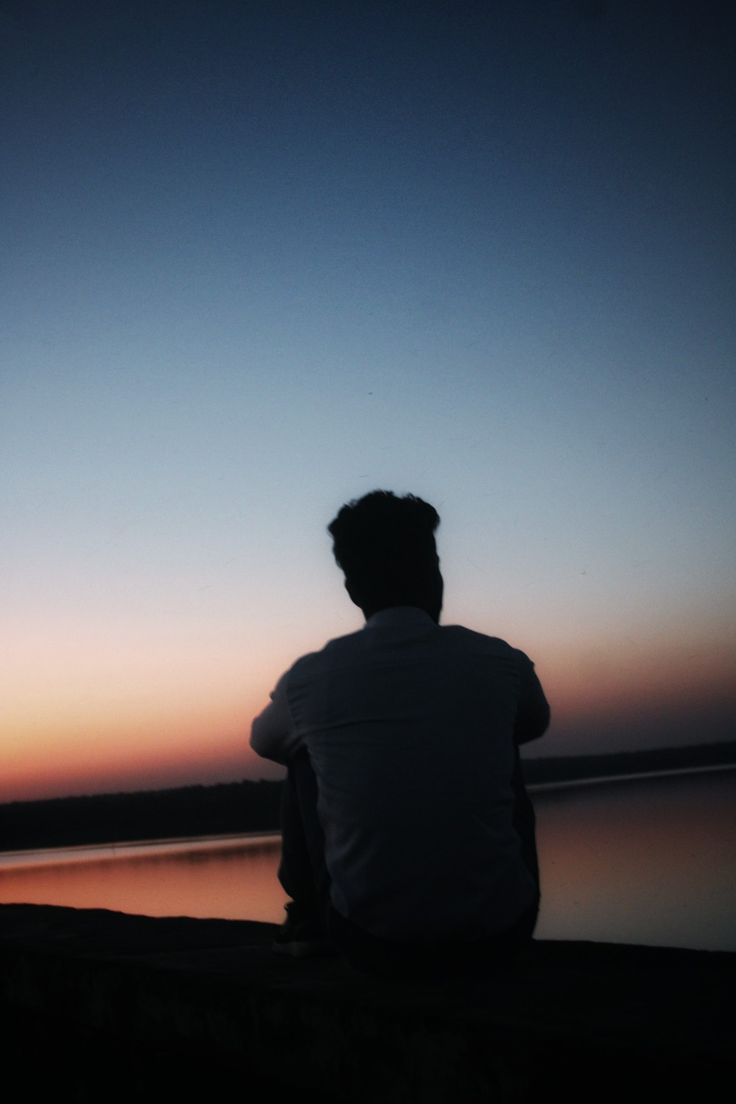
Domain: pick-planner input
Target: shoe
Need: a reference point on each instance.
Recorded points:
(302, 935)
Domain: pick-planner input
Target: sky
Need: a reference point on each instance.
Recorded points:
(262, 258)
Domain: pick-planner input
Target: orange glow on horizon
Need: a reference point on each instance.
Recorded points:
(149, 745)
(626, 674)
(90, 724)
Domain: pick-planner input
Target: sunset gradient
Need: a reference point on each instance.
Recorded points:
(260, 260)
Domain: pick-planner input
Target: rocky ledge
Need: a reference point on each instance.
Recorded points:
(103, 1005)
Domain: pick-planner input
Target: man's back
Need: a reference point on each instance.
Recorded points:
(404, 807)
(411, 730)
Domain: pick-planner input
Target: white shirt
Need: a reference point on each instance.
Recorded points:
(412, 730)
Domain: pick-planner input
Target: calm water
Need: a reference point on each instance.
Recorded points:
(632, 861)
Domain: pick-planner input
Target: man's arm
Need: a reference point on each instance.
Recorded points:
(272, 734)
(532, 716)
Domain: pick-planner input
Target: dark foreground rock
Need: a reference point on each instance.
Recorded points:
(100, 1005)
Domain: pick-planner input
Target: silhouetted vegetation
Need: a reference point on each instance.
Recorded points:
(570, 768)
(234, 807)
(229, 807)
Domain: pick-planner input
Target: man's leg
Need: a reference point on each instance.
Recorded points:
(525, 821)
(302, 871)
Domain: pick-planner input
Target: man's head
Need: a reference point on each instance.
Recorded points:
(386, 547)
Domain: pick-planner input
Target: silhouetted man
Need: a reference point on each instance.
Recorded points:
(408, 837)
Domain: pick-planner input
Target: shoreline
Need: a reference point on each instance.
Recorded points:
(202, 841)
(120, 845)
(596, 779)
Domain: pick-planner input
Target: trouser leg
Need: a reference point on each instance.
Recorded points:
(525, 822)
(302, 871)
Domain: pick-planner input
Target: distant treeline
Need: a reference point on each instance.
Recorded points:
(570, 768)
(234, 807)
(229, 807)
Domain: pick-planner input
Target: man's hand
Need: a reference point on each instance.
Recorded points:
(272, 734)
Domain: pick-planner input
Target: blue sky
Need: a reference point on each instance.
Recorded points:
(263, 258)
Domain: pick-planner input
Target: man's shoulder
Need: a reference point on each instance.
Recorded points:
(339, 644)
(351, 646)
(461, 637)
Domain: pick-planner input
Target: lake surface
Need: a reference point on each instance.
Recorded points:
(643, 860)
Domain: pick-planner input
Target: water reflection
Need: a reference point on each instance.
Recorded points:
(645, 861)
(232, 878)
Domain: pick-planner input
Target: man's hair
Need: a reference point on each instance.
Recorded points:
(386, 547)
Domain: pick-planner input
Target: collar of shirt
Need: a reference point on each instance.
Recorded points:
(399, 615)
